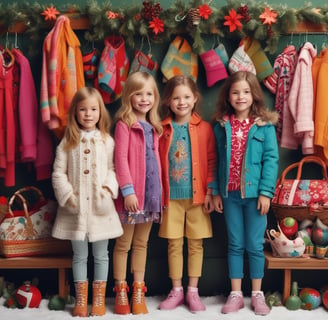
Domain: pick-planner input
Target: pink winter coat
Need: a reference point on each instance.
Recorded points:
(300, 102)
(130, 160)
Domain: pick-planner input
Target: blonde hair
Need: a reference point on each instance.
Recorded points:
(134, 83)
(168, 91)
(258, 108)
(73, 130)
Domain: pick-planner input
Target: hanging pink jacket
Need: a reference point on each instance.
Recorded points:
(300, 102)
(35, 141)
(7, 124)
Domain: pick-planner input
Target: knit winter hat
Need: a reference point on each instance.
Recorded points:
(113, 68)
(222, 53)
(143, 62)
(240, 61)
(214, 67)
(261, 62)
(179, 60)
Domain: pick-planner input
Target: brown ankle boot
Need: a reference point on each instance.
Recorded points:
(81, 296)
(138, 298)
(98, 298)
(121, 300)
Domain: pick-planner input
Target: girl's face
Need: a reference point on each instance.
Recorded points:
(142, 101)
(88, 113)
(241, 99)
(182, 103)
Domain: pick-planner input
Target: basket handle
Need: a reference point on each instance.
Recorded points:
(18, 194)
(312, 159)
(299, 165)
(29, 188)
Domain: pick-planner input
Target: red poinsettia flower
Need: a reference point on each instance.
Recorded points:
(205, 11)
(111, 15)
(268, 16)
(50, 13)
(233, 20)
(157, 25)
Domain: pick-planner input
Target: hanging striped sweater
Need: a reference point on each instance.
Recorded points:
(62, 74)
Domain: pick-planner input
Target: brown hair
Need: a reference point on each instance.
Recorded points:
(72, 132)
(135, 82)
(258, 108)
(168, 91)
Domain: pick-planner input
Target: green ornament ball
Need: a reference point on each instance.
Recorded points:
(56, 303)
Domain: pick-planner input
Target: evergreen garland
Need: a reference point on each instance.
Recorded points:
(130, 22)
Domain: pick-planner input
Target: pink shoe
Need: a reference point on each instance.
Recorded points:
(193, 301)
(259, 305)
(233, 304)
(174, 299)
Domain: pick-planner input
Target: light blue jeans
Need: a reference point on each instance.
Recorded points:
(80, 260)
(245, 228)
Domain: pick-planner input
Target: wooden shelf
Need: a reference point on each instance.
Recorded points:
(61, 263)
(77, 23)
(82, 23)
(304, 27)
(289, 264)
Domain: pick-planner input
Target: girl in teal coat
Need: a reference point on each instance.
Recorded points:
(247, 156)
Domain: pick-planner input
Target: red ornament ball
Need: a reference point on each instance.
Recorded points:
(324, 298)
(28, 296)
(289, 227)
(310, 297)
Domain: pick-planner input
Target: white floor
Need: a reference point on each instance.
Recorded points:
(213, 308)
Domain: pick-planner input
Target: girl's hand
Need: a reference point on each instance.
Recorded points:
(218, 205)
(131, 203)
(263, 204)
(208, 203)
(71, 203)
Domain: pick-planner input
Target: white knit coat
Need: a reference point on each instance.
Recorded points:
(79, 177)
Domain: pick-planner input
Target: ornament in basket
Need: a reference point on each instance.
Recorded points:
(282, 246)
(25, 230)
(302, 198)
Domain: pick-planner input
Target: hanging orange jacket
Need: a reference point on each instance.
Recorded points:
(62, 74)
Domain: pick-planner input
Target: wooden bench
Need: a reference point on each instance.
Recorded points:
(62, 263)
(289, 264)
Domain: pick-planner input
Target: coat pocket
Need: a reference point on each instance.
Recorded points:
(105, 203)
(72, 205)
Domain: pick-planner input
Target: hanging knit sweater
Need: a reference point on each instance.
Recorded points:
(62, 74)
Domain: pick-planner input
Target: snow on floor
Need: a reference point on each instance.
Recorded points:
(213, 311)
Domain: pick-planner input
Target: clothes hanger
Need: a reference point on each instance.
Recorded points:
(8, 56)
(324, 44)
(16, 42)
(290, 43)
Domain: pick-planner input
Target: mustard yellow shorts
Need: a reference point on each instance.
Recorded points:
(183, 219)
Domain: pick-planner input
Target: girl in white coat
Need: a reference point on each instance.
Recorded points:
(85, 185)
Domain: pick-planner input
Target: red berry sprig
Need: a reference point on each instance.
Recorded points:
(151, 11)
(243, 11)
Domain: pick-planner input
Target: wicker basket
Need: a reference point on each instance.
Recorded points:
(27, 248)
(299, 212)
(29, 243)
